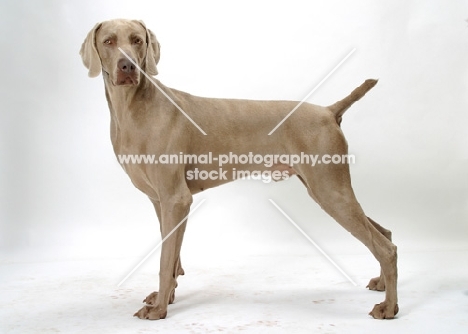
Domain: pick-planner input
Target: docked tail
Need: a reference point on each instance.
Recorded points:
(340, 107)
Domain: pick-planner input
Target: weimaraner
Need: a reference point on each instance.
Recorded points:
(144, 120)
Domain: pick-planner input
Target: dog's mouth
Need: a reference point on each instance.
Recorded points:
(123, 79)
(126, 81)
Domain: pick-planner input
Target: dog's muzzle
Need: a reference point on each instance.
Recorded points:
(127, 73)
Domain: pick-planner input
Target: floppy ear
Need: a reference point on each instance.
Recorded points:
(152, 52)
(89, 53)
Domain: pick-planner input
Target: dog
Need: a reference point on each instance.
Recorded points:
(150, 118)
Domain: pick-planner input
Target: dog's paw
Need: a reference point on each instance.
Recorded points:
(384, 311)
(376, 284)
(151, 298)
(151, 313)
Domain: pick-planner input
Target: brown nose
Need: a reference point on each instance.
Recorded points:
(126, 65)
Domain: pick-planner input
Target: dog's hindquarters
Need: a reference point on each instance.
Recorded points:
(330, 186)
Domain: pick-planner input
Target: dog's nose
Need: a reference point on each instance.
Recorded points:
(126, 65)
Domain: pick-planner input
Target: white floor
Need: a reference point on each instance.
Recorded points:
(249, 294)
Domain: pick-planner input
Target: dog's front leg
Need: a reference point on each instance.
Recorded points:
(173, 214)
(151, 299)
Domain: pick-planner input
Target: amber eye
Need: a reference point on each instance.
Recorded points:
(108, 42)
(137, 41)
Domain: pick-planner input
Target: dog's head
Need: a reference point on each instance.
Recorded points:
(109, 43)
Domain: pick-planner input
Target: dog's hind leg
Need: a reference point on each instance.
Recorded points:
(330, 185)
(332, 190)
(378, 283)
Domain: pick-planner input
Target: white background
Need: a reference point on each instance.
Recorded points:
(64, 197)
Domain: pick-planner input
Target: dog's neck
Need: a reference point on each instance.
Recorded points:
(127, 106)
(122, 98)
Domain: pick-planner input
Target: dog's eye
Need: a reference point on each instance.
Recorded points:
(138, 41)
(108, 42)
